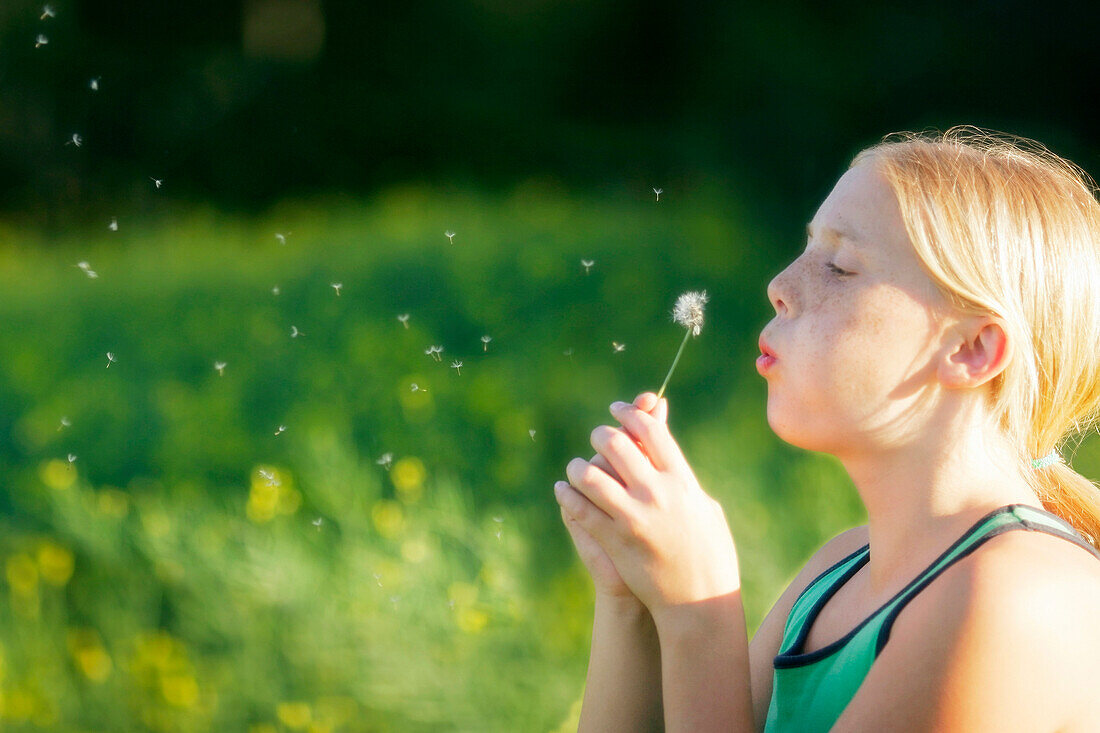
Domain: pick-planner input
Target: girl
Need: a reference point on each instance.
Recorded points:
(939, 336)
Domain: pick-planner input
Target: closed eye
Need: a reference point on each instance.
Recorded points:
(837, 270)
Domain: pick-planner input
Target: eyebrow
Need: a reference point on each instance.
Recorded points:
(831, 233)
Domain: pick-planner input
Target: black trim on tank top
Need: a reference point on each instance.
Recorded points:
(832, 567)
(1024, 524)
(795, 659)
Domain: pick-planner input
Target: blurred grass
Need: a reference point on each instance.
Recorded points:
(192, 570)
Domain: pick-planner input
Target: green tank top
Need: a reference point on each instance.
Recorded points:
(810, 691)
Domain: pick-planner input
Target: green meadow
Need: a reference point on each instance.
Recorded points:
(335, 531)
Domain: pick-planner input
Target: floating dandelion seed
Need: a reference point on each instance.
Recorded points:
(498, 519)
(336, 287)
(269, 476)
(87, 269)
(282, 237)
(434, 352)
(110, 359)
(414, 387)
(280, 429)
(47, 12)
(498, 534)
(404, 318)
(275, 290)
(485, 342)
(317, 522)
(72, 458)
(156, 181)
(394, 599)
(658, 191)
(456, 364)
(75, 140)
(294, 332)
(569, 352)
(385, 460)
(531, 433)
(451, 603)
(64, 424)
(220, 366)
(41, 41)
(617, 346)
(688, 312)
(450, 235)
(113, 226)
(94, 83)
(587, 264)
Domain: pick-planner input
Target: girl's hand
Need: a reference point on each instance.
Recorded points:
(605, 577)
(668, 540)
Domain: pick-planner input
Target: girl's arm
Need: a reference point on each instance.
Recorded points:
(705, 666)
(623, 689)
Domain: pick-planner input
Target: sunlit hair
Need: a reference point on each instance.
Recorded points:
(1003, 226)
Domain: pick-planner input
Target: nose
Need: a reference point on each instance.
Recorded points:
(774, 296)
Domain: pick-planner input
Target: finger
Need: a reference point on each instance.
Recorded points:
(601, 463)
(651, 433)
(648, 402)
(595, 487)
(577, 508)
(625, 455)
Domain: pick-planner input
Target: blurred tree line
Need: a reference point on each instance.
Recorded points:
(240, 104)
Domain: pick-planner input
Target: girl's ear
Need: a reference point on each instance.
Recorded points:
(981, 351)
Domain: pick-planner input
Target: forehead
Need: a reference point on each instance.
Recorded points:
(862, 211)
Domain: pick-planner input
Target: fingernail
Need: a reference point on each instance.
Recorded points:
(616, 406)
(558, 488)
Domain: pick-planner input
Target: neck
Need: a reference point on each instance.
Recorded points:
(922, 498)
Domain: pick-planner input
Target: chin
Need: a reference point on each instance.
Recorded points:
(793, 427)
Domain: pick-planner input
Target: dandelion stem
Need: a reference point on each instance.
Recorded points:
(674, 362)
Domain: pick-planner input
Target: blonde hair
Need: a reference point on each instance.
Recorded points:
(1004, 226)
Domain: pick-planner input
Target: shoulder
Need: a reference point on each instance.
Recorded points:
(1013, 620)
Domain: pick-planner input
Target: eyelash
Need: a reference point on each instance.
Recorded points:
(837, 270)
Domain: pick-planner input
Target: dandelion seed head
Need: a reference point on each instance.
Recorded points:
(688, 311)
(531, 433)
(449, 235)
(94, 83)
(220, 366)
(617, 346)
(337, 286)
(47, 12)
(281, 429)
(317, 522)
(386, 459)
(41, 40)
(113, 226)
(72, 458)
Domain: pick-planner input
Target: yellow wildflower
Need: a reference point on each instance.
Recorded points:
(22, 574)
(55, 563)
(294, 714)
(408, 478)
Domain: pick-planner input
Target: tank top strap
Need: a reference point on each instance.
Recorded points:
(1004, 519)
